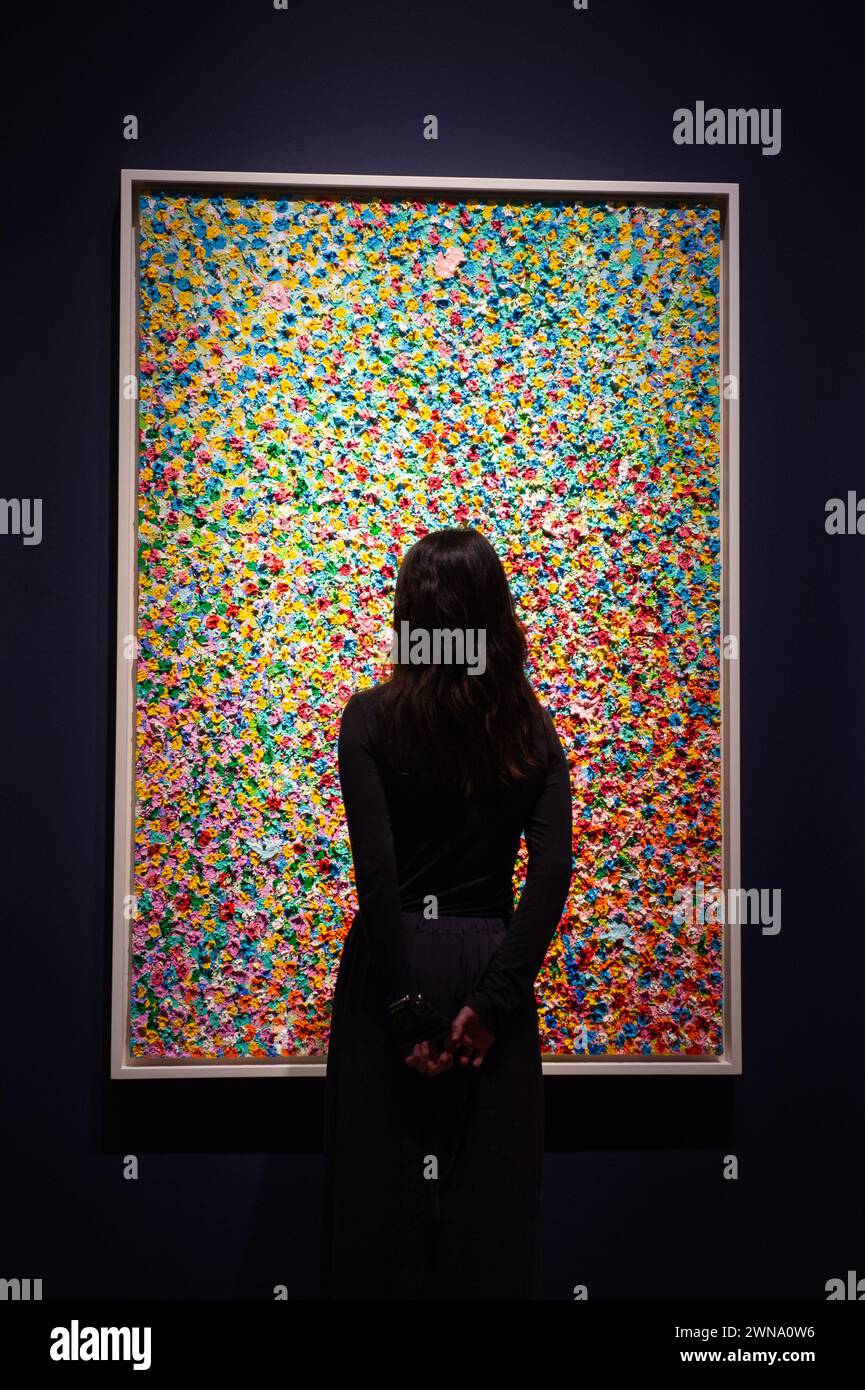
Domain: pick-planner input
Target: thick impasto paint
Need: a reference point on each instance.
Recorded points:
(321, 383)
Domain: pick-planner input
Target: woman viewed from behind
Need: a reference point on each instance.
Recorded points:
(434, 1093)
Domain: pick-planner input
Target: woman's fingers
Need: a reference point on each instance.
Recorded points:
(443, 1062)
(483, 1049)
(418, 1056)
(439, 1060)
(458, 1047)
(473, 1053)
(429, 1059)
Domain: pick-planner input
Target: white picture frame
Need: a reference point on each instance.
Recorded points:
(134, 181)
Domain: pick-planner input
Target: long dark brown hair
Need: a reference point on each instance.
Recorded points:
(472, 729)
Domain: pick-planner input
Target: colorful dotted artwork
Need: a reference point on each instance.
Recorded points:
(321, 383)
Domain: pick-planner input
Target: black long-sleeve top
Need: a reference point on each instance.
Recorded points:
(413, 839)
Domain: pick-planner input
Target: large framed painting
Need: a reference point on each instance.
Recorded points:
(315, 370)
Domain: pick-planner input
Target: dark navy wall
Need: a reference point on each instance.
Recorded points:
(227, 1201)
